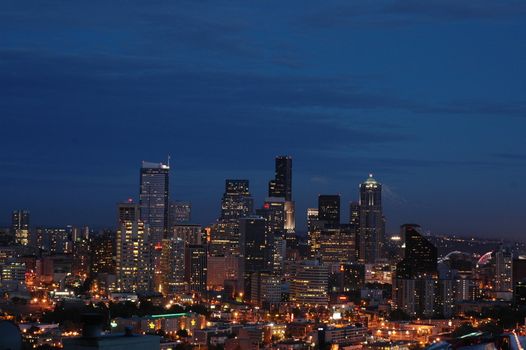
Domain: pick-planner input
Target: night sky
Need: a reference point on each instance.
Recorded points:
(430, 96)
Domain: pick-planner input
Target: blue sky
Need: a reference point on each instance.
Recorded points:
(430, 96)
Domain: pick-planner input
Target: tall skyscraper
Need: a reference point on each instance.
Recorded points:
(153, 199)
(173, 266)
(235, 204)
(371, 221)
(154, 207)
(415, 286)
(329, 209)
(196, 268)
(273, 212)
(281, 187)
(255, 244)
(20, 226)
(133, 259)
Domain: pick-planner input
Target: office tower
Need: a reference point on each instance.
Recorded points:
(354, 221)
(314, 227)
(371, 221)
(20, 226)
(415, 286)
(196, 268)
(255, 244)
(153, 199)
(133, 259)
(235, 204)
(265, 290)
(81, 257)
(173, 266)
(273, 212)
(309, 286)
(346, 278)
(329, 209)
(13, 276)
(189, 233)
(179, 212)
(503, 273)
(54, 240)
(103, 250)
(154, 205)
(223, 269)
(281, 187)
(519, 280)
(335, 245)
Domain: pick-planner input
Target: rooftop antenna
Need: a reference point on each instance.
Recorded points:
(168, 161)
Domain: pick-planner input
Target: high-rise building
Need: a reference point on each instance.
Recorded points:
(189, 233)
(309, 286)
(336, 245)
(354, 221)
(102, 253)
(133, 258)
(154, 207)
(20, 226)
(371, 221)
(53, 240)
(235, 204)
(255, 243)
(503, 273)
(153, 199)
(173, 266)
(281, 185)
(179, 213)
(329, 209)
(196, 269)
(273, 212)
(314, 227)
(416, 285)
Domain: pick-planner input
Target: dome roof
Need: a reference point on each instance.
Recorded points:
(370, 180)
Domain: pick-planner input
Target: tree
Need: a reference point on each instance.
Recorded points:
(399, 315)
(462, 330)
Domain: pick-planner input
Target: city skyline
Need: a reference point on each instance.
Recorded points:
(258, 202)
(429, 97)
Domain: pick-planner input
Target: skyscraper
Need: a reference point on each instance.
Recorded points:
(416, 285)
(329, 209)
(154, 206)
(133, 263)
(281, 187)
(273, 212)
(179, 212)
(196, 268)
(503, 273)
(173, 266)
(310, 284)
(235, 204)
(153, 199)
(20, 226)
(371, 221)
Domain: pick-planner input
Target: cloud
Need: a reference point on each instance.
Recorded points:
(402, 13)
